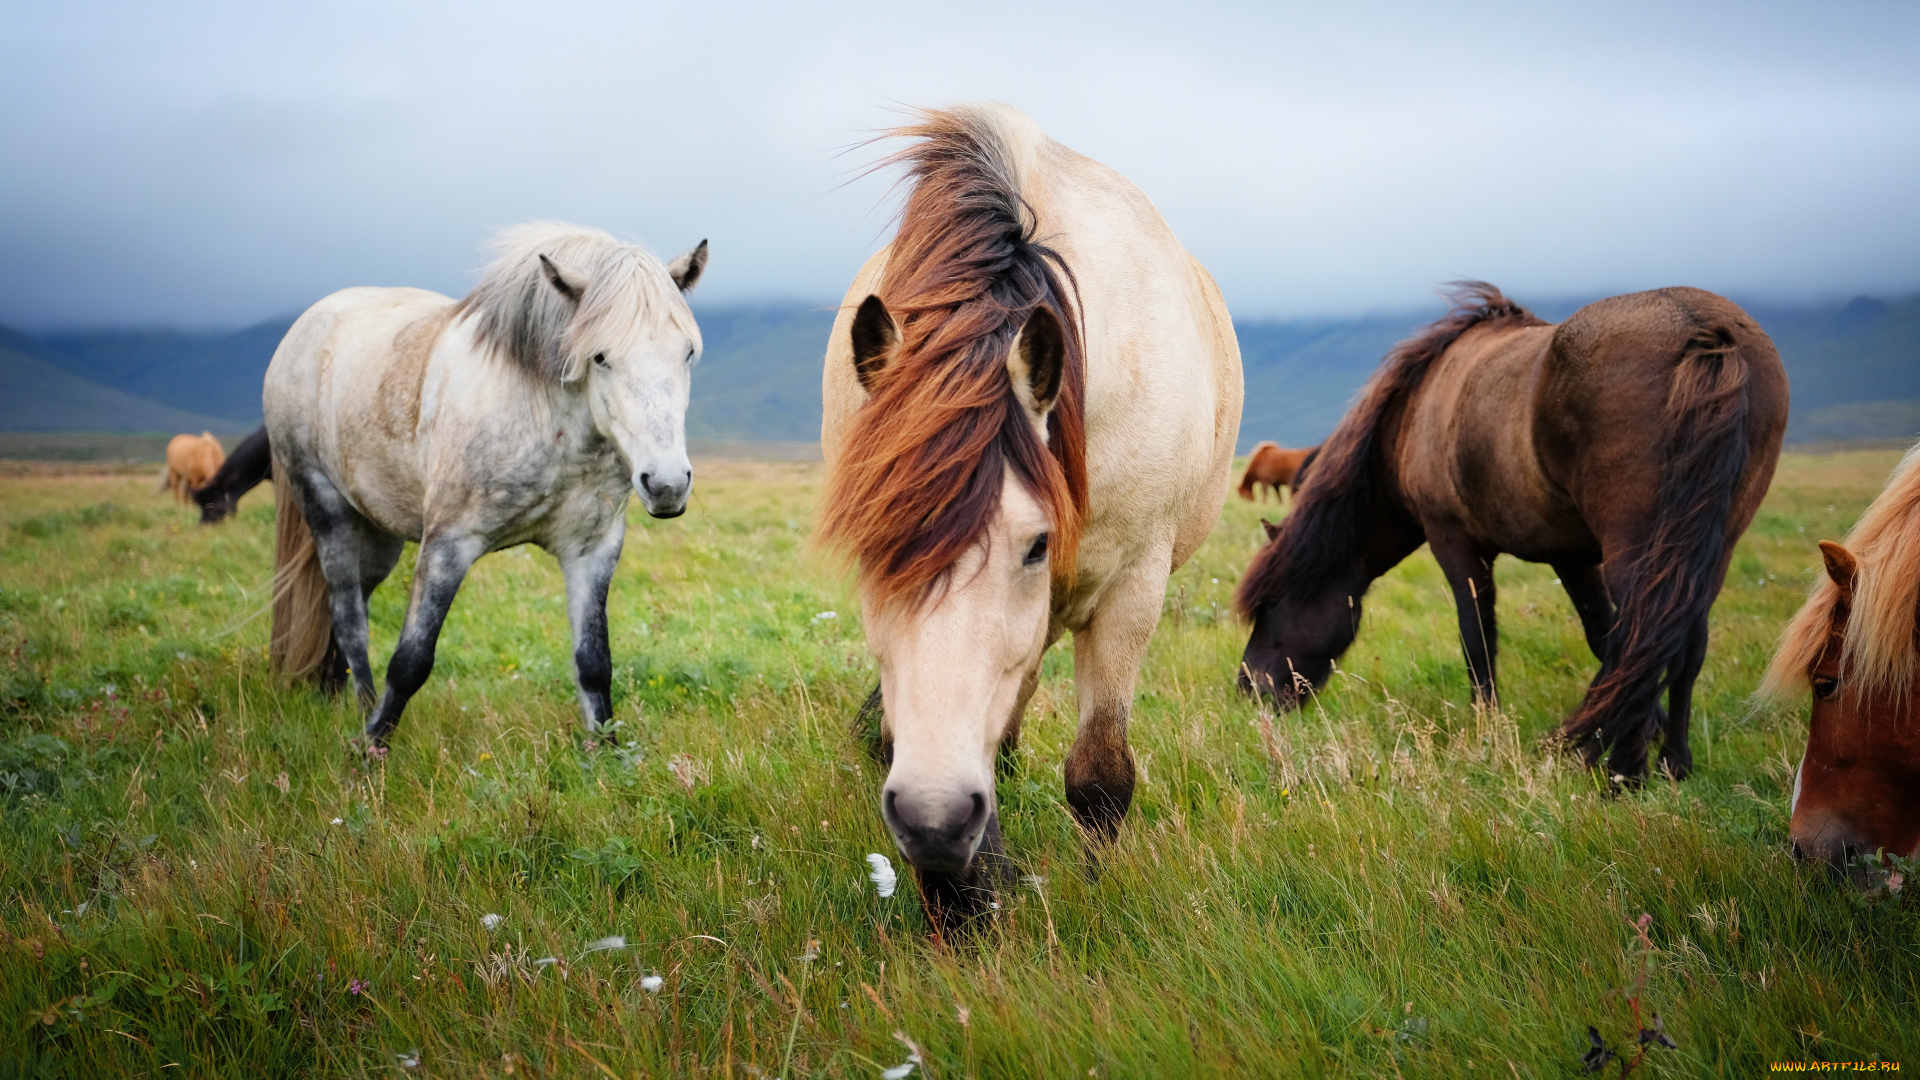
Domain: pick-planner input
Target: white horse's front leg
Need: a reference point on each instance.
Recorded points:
(589, 571)
(439, 569)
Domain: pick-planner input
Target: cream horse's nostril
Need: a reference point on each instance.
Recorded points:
(935, 832)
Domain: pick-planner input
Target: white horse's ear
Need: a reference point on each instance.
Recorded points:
(1035, 363)
(686, 270)
(874, 336)
(565, 282)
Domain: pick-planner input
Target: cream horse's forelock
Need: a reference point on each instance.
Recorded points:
(624, 293)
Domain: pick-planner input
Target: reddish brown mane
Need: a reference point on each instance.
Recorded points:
(918, 478)
(1330, 513)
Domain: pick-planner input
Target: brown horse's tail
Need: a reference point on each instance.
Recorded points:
(302, 617)
(1672, 581)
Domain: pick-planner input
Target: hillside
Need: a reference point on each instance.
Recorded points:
(212, 372)
(36, 395)
(1852, 366)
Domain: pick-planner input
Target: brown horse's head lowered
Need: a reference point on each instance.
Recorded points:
(960, 486)
(1857, 791)
(1303, 591)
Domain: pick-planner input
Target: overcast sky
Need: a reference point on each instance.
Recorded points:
(215, 164)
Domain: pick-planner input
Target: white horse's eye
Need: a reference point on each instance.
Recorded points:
(600, 358)
(690, 352)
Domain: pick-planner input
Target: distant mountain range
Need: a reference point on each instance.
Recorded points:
(1855, 371)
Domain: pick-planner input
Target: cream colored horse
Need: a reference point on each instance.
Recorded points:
(525, 413)
(1030, 281)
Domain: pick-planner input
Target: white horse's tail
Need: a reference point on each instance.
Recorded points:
(302, 615)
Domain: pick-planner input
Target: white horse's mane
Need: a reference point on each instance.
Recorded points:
(518, 314)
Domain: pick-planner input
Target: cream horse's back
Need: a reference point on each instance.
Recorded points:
(1160, 414)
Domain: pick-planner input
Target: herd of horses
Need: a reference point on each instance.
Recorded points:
(1032, 396)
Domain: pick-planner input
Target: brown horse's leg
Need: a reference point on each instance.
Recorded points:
(1676, 755)
(1469, 570)
(1587, 588)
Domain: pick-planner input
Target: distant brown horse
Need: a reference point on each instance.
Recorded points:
(191, 461)
(1273, 467)
(1857, 791)
(1628, 447)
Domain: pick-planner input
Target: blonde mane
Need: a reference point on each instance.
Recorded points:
(1880, 646)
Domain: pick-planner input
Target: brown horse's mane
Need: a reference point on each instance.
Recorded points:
(1881, 648)
(918, 477)
(1318, 540)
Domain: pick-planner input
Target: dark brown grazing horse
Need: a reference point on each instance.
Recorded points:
(1272, 466)
(1857, 791)
(1627, 447)
(251, 462)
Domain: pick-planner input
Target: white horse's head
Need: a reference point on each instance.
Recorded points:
(608, 321)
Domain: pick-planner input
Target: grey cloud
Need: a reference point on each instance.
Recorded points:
(206, 164)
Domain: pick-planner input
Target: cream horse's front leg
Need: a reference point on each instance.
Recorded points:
(1106, 662)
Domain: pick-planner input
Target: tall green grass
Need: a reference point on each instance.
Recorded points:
(196, 872)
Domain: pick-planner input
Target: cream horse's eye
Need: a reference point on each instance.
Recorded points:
(1038, 552)
(600, 358)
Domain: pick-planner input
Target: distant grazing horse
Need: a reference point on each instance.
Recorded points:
(1857, 791)
(251, 463)
(1032, 396)
(1628, 447)
(527, 412)
(191, 461)
(1273, 467)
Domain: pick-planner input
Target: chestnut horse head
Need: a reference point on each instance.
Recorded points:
(1857, 792)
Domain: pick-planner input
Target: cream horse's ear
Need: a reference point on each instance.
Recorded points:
(567, 283)
(874, 336)
(1035, 364)
(686, 270)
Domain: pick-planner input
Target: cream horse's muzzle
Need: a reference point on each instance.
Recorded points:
(937, 831)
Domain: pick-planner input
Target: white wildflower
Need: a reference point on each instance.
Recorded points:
(905, 1067)
(492, 921)
(337, 821)
(824, 616)
(652, 984)
(408, 1060)
(882, 875)
(611, 941)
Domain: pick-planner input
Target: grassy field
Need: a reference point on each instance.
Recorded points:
(196, 873)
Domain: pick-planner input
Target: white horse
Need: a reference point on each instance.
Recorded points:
(1032, 396)
(525, 412)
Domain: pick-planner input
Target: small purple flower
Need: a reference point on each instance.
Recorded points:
(359, 986)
